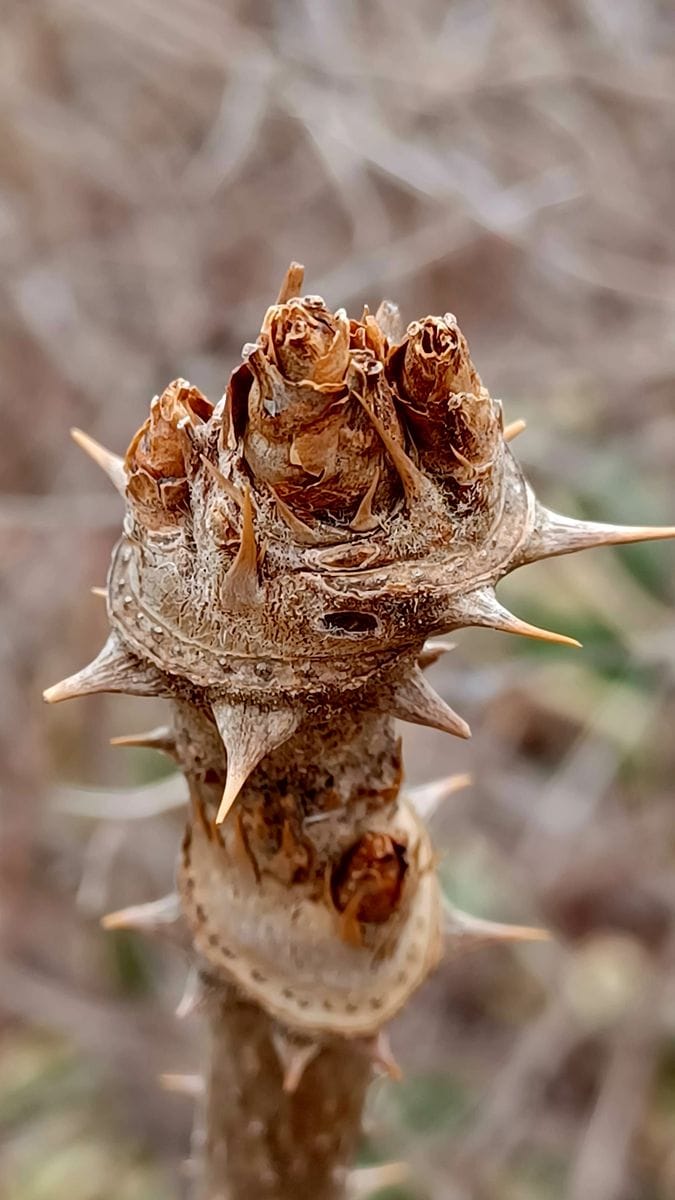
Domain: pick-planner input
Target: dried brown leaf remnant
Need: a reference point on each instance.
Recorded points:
(285, 555)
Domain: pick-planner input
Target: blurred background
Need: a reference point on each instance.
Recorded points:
(162, 162)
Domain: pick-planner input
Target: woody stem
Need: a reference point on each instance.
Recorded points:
(264, 1138)
(261, 1141)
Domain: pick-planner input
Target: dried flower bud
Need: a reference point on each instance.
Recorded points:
(307, 342)
(304, 414)
(454, 423)
(368, 881)
(155, 460)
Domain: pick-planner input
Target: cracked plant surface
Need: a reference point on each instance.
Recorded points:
(286, 554)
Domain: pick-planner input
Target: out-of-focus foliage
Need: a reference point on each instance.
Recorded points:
(163, 160)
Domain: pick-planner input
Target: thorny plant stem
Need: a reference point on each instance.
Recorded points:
(282, 1114)
(285, 555)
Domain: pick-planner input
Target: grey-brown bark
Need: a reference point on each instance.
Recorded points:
(262, 1141)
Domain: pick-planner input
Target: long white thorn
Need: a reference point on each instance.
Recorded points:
(111, 463)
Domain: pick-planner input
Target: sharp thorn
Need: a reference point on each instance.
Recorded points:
(365, 520)
(416, 701)
(512, 430)
(249, 732)
(294, 1055)
(162, 738)
(240, 586)
(413, 481)
(158, 918)
(482, 608)
(382, 1056)
(431, 653)
(100, 592)
(554, 534)
(192, 997)
(461, 927)
(428, 797)
(113, 670)
(111, 463)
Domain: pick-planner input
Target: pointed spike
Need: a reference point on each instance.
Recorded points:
(113, 670)
(227, 486)
(249, 732)
(429, 796)
(111, 463)
(292, 282)
(512, 430)
(184, 1085)
(100, 592)
(554, 534)
(162, 738)
(432, 651)
(240, 586)
(301, 532)
(364, 520)
(160, 918)
(413, 480)
(294, 1056)
(482, 608)
(461, 927)
(382, 1056)
(193, 995)
(416, 701)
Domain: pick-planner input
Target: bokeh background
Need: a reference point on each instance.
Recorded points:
(162, 162)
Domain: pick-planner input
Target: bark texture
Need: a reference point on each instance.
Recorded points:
(262, 1140)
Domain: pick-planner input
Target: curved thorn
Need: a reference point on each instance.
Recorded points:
(416, 701)
(554, 534)
(162, 738)
(111, 463)
(413, 480)
(294, 1055)
(429, 796)
(249, 732)
(193, 995)
(382, 1056)
(512, 430)
(240, 585)
(462, 927)
(432, 651)
(482, 608)
(158, 918)
(113, 670)
(365, 520)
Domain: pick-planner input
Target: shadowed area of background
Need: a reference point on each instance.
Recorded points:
(162, 162)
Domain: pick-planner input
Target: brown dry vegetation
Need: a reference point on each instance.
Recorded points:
(163, 160)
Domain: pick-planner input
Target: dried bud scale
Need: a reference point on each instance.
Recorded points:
(285, 556)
